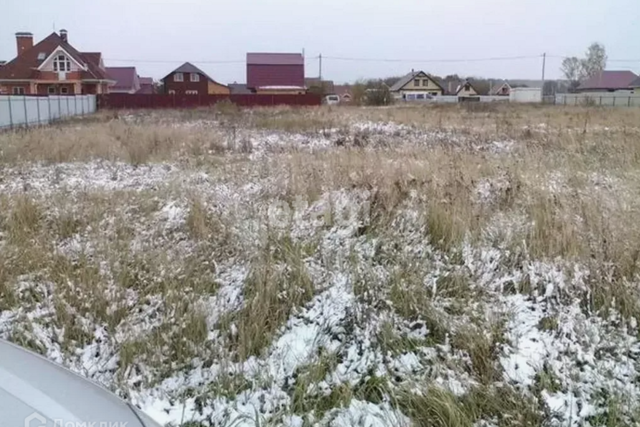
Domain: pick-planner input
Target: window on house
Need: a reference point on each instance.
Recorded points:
(191, 92)
(18, 91)
(420, 96)
(195, 77)
(416, 82)
(178, 77)
(51, 90)
(425, 82)
(467, 87)
(172, 92)
(61, 64)
(42, 56)
(433, 93)
(64, 90)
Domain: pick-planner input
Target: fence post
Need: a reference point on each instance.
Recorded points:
(68, 112)
(600, 104)
(59, 108)
(10, 113)
(49, 104)
(38, 104)
(26, 112)
(629, 102)
(614, 100)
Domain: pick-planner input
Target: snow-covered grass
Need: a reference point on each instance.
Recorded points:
(445, 266)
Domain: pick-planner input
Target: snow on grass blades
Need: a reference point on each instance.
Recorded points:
(396, 267)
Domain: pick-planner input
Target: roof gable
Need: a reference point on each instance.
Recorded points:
(76, 59)
(463, 84)
(188, 67)
(25, 66)
(498, 89)
(126, 78)
(405, 80)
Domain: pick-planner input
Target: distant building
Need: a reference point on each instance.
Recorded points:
(239, 89)
(126, 78)
(344, 92)
(608, 81)
(501, 89)
(188, 79)
(466, 89)
(53, 67)
(146, 86)
(415, 86)
(277, 73)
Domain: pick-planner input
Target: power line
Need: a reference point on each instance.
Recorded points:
(504, 58)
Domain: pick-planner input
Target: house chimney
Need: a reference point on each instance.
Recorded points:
(24, 42)
(64, 36)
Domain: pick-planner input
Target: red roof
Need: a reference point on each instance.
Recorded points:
(609, 80)
(275, 59)
(24, 67)
(146, 86)
(126, 78)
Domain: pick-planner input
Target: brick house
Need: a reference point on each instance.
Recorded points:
(53, 67)
(188, 79)
(276, 73)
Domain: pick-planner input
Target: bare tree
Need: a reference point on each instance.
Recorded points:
(595, 60)
(572, 69)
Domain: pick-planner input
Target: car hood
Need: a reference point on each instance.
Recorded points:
(37, 393)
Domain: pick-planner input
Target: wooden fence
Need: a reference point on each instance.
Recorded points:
(138, 101)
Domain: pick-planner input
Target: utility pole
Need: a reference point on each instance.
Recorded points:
(544, 64)
(320, 67)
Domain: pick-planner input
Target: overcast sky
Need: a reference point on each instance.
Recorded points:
(144, 32)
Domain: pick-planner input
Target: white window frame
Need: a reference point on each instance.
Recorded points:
(64, 90)
(18, 90)
(191, 92)
(42, 56)
(61, 63)
(172, 92)
(51, 90)
(194, 77)
(178, 77)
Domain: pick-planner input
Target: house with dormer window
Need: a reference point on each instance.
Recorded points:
(416, 86)
(53, 67)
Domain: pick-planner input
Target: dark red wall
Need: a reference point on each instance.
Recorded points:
(275, 75)
(180, 87)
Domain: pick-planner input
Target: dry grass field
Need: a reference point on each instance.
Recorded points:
(441, 266)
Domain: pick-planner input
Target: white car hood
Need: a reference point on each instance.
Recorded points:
(31, 386)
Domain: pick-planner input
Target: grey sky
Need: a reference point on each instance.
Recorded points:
(214, 30)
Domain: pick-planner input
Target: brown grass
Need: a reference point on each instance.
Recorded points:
(570, 175)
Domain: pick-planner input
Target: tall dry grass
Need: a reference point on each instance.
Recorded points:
(563, 187)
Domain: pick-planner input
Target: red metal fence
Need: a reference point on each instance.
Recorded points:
(127, 101)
